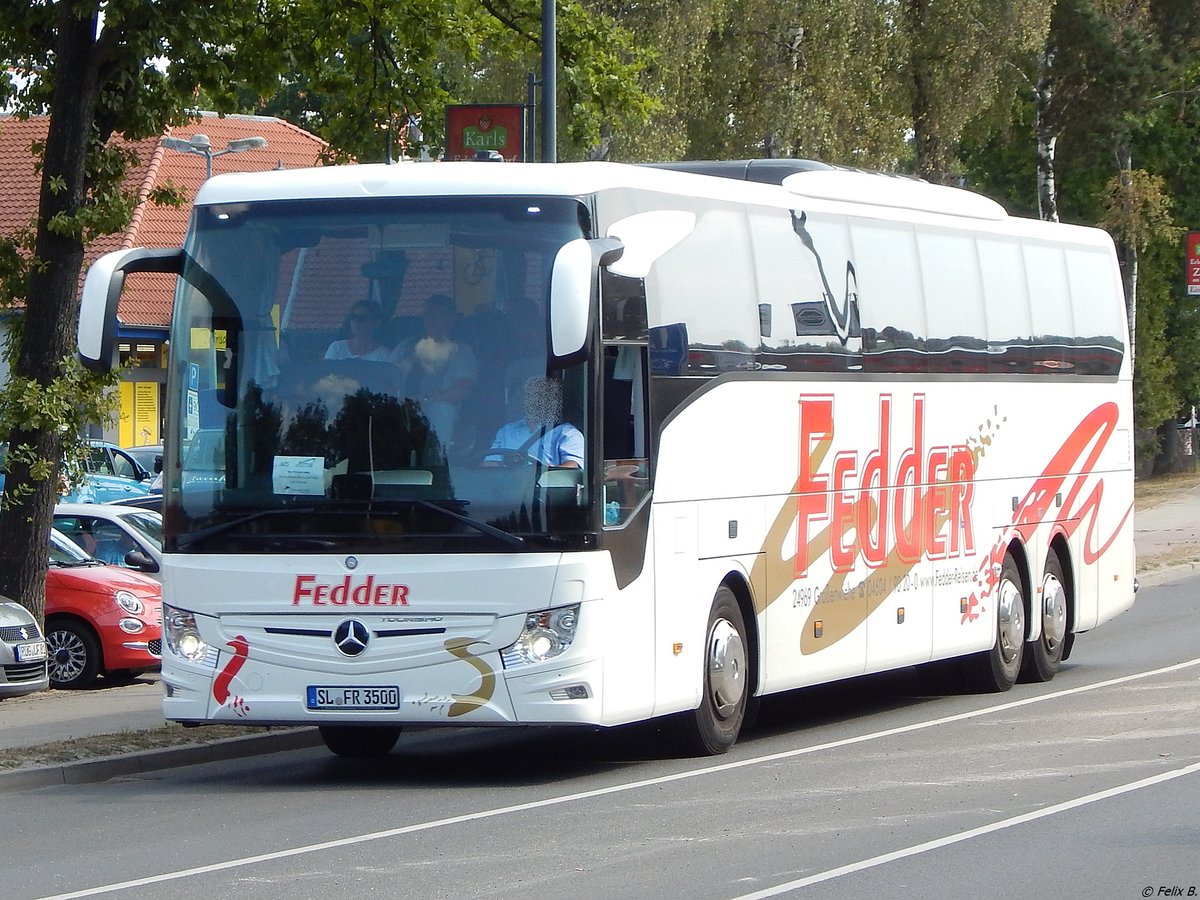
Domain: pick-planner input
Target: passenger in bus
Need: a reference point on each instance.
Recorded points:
(436, 370)
(540, 433)
(362, 325)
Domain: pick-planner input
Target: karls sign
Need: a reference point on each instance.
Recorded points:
(471, 130)
(1192, 249)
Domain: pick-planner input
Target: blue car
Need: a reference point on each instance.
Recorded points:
(111, 474)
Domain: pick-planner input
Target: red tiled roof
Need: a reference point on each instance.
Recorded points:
(147, 298)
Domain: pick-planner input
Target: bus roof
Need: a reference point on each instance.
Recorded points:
(780, 184)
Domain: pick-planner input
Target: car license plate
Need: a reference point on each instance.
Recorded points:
(365, 697)
(31, 652)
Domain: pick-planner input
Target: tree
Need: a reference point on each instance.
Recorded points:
(801, 78)
(960, 54)
(367, 71)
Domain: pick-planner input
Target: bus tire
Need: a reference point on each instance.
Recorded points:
(713, 727)
(1045, 655)
(360, 741)
(996, 670)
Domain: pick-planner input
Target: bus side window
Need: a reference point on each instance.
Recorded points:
(626, 466)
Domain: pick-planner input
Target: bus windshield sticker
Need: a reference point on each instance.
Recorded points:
(298, 475)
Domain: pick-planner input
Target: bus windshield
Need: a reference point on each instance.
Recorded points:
(371, 375)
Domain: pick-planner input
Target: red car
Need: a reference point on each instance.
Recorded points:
(100, 619)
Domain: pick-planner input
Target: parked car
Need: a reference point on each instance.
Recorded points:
(100, 483)
(100, 619)
(122, 535)
(22, 651)
(149, 456)
(150, 501)
(112, 474)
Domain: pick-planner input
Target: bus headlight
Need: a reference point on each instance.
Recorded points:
(545, 636)
(183, 637)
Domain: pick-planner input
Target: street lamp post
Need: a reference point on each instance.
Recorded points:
(200, 145)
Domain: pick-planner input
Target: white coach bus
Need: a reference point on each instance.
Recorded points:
(663, 442)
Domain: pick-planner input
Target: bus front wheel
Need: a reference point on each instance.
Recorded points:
(360, 741)
(713, 727)
(997, 669)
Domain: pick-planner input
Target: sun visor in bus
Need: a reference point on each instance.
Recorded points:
(648, 236)
(97, 333)
(893, 191)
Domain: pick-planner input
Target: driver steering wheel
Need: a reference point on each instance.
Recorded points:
(505, 458)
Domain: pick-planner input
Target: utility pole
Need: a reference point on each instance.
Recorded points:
(549, 84)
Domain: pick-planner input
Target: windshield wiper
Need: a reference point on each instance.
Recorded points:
(506, 537)
(76, 563)
(186, 540)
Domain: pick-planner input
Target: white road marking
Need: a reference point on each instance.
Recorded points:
(968, 835)
(667, 779)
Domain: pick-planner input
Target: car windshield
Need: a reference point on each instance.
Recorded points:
(348, 365)
(65, 552)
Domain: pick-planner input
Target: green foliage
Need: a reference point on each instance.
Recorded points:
(74, 397)
(962, 56)
(357, 74)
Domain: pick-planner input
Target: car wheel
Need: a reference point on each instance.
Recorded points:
(74, 654)
(360, 741)
(713, 727)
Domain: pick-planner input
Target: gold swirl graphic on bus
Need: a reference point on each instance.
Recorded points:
(465, 703)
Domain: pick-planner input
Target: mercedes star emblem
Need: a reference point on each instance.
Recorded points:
(351, 637)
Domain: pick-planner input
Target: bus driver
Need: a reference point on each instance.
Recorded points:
(540, 434)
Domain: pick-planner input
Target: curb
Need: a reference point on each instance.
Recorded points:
(103, 768)
(1168, 574)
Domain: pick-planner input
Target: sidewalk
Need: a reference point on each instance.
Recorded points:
(1167, 533)
(118, 719)
(74, 737)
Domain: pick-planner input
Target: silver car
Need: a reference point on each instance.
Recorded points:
(22, 652)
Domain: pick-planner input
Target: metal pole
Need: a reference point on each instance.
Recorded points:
(549, 84)
(530, 153)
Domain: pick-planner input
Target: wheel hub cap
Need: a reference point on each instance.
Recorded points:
(726, 667)
(1012, 621)
(1054, 612)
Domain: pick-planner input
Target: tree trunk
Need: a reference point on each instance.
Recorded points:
(52, 307)
(928, 149)
(1047, 139)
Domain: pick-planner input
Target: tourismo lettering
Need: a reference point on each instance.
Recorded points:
(346, 592)
(875, 507)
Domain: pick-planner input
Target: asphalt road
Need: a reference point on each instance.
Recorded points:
(883, 787)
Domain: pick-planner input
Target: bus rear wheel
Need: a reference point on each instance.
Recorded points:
(996, 670)
(1044, 656)
(360, 741)
(713, 727)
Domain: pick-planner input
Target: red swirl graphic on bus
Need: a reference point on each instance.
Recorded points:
(1079, 453)
(220, 690)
